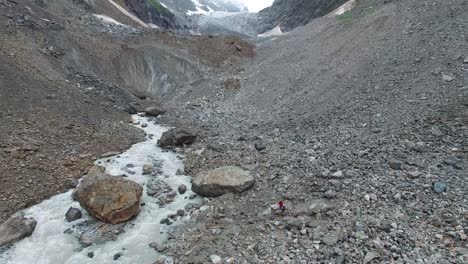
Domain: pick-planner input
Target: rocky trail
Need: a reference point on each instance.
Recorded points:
(357, 120)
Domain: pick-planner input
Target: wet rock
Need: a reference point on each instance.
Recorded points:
(222, 180)
(166, 221)
(157, 188)
(94, 232)
(117, 256)
(439, 187)
(109, 154)
(90, 254)
(147, 169)
(182, 188)
(180, 212)
(154, 111)
(159, 248)
(109, 199)
(16, 228)
(176, 137)
(73, 214)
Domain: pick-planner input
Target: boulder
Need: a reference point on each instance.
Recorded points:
(222, 180)
(154, 111)
(110, 199)
(176, 137)
(16, 228)
(182, 188)
(147, 169)
(73, 214)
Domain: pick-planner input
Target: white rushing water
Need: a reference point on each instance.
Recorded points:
(50, 245)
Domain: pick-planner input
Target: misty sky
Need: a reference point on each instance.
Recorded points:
(256, 5)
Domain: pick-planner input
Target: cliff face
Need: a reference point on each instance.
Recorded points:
(289, 14)
(187, 7)
(152, 11)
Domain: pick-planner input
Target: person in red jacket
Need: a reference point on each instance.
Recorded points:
(281, 206)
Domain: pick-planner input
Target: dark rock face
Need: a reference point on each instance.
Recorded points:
(176, 137)
(15, 229)
(289, 14)
(109, 199)
(151, 11)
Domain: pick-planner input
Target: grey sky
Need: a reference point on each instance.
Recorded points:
(256, 5)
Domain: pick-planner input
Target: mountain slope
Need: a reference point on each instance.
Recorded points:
(289, 14)
(192, 7)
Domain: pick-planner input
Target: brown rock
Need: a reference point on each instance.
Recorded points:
(107, 198)
(176, 137)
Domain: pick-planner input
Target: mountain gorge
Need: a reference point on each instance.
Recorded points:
(145, 131)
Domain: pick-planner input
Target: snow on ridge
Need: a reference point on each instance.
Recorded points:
(109, 20)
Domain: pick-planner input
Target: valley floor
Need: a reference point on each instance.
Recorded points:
(366, 113)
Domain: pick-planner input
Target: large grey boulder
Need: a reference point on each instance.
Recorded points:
(222, 180)
(110, 199)
(154, 111)
(16, 228)
(176, 137)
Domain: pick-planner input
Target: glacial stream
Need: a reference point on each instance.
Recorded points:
(51, 244)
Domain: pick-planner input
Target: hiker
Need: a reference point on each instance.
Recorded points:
(281, 206)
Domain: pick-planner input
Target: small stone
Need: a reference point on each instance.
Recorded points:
(395, 164)
(147, 169)
(447, 78)
(117, 256)
(440, 187)
(338, 174)
(371, 255)
(330, 239)
(259, 147)
(91, 254)
(73, 214)
(330, 194)
(182, 188)
(414, 174)
(367, 197)
(215, 259)
(180, 212)
(304, 231)
(144, 125)
(465, 60)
